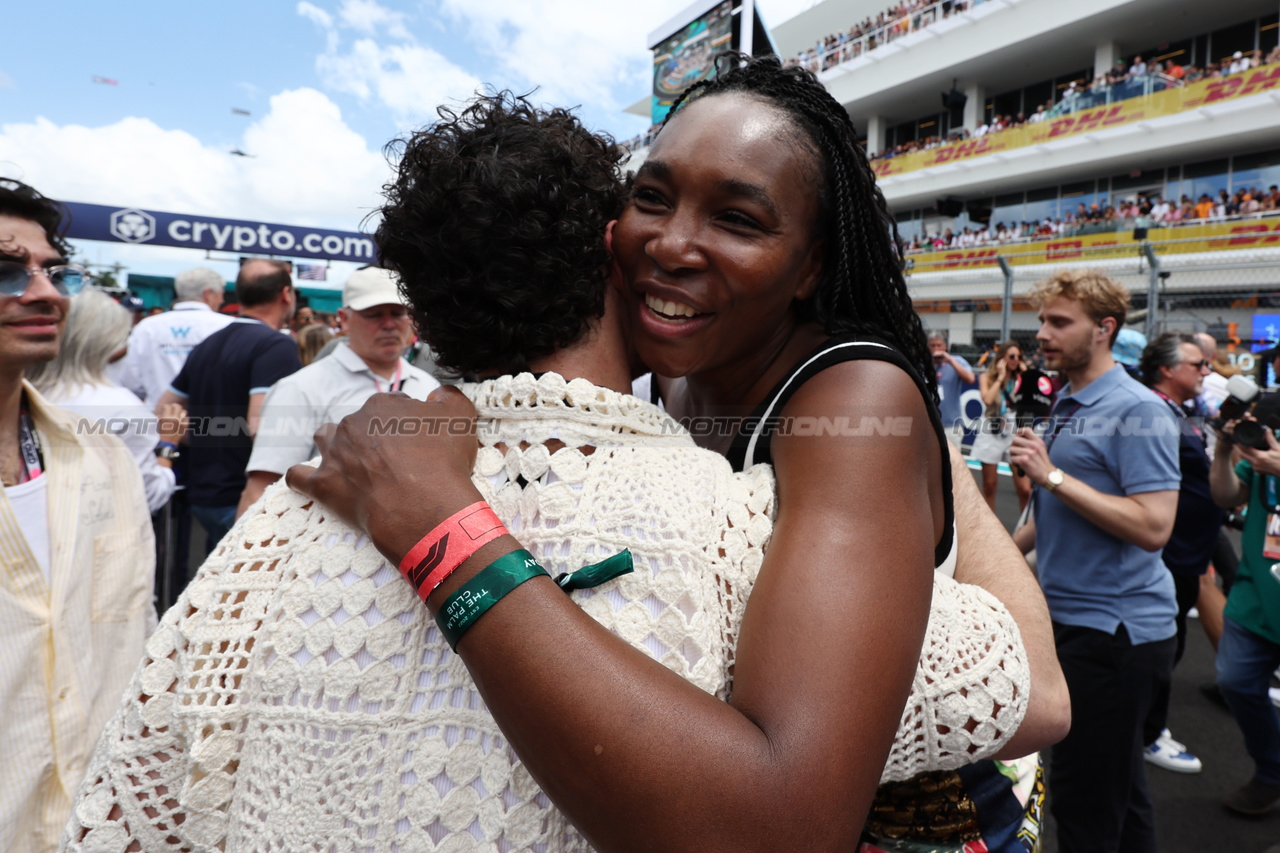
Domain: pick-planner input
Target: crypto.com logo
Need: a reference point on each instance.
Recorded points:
(132, 225)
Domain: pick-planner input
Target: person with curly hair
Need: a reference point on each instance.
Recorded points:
(356, 722)
(757, 267)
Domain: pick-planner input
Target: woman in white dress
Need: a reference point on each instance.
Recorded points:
(96, 335)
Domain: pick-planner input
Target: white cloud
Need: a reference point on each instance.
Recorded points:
(368, 17)
(407, 77)
(6, 82)
(308, 168)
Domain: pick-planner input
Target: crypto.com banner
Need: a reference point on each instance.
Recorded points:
(189, 231)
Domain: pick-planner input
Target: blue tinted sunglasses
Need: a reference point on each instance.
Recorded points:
(66, 279)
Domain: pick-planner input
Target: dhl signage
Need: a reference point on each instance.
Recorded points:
(1213, 237)
(1163, 103)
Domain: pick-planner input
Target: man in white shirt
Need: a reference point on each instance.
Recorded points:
(366, 362)
(159, 345)
(75, 539)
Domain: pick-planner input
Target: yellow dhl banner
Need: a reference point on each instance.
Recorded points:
(1210, 237)
(1163, 103)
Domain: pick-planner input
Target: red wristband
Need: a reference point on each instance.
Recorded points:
(449, 545)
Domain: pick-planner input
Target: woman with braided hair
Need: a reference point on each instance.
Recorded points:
(762, 269)
(756, 271)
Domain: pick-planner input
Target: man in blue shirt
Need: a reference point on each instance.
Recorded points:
(1108, 476)
(223, 384)
(954, 373)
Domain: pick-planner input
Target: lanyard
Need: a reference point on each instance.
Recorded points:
(29, 446)
(394, 384)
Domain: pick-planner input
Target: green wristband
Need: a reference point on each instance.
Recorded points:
(474, 598)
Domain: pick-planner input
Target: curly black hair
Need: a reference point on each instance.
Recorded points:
(23, 201)
(862, 289)
(495, 225)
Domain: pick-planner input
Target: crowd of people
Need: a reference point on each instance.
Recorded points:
(1139, 212)
(893, 23)
(1122, 82)
(654, 505)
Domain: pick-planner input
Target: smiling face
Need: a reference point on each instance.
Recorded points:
(30, 324)
(716, 244)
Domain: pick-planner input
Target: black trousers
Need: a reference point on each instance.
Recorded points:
(1097, 776)
(1187, 590)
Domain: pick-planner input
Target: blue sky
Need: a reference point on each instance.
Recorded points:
(327, 83)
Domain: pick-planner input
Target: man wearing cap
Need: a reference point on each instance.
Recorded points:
(367, 361)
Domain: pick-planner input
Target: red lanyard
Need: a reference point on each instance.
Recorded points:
(395, 383)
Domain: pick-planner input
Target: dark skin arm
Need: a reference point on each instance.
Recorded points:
(829, 642)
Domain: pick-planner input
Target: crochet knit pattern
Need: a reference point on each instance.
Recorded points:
(298, 696)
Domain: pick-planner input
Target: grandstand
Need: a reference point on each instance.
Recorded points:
(1080, 128)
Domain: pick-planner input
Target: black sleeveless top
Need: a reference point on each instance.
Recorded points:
(753, 441)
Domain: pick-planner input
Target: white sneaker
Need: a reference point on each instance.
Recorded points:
(1167, 737)
(1274, 693)
(1171, 755)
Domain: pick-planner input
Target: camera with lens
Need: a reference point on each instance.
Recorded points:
(1244, 397)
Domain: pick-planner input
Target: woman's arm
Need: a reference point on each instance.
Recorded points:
(990, 383)
(988, 558)
(827, 650)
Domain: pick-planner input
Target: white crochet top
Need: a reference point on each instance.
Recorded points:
(299, 697)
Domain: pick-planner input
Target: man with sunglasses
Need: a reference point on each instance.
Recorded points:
(1174, 366)
(75, 540)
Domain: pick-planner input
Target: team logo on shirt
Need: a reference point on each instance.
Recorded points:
(132, 225)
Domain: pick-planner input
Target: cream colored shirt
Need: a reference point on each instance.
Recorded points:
(67, 648)
(298, 697)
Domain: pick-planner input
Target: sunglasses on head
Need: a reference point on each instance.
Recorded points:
(65, 278)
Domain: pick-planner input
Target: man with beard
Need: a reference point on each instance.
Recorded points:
(1108, 476)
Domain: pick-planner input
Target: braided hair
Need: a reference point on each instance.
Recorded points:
(862, 288)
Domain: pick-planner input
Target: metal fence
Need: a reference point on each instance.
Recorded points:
(1233, 296)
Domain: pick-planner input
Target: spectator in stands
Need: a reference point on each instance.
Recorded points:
(1249, 648)
(223, 385)
(953, 373)
(1105, 507)
(1273, 55)
(79, 560)
(368, 361)
(159, 345)
(1174, 366)
(311, 339)
(1138, 68)
(96, 331)
(1238, 63)
(1204, 207)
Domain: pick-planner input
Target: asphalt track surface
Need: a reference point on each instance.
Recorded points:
(1190, 817)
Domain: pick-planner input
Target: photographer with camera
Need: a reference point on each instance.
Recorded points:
(991, 446)
(1249, 649)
